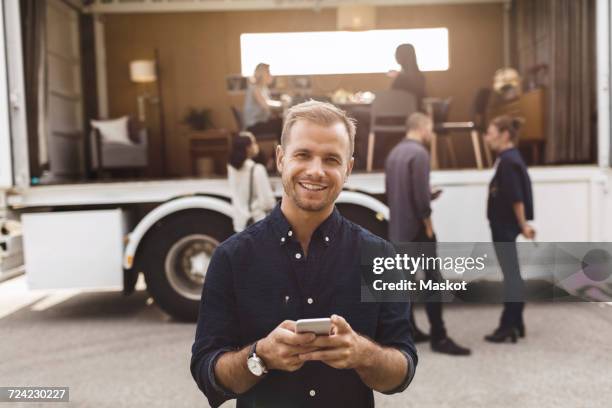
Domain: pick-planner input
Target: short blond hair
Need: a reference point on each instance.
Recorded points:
(319, 113)
(417, 121)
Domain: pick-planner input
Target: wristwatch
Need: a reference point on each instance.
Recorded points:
(254, 363)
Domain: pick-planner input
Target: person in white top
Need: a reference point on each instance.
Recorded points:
(252, 195)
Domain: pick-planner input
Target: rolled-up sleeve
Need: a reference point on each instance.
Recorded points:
(216, 331)
(394, 331)
(420, 185)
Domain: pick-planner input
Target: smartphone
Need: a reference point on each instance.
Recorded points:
(435, 193)
(321, 327)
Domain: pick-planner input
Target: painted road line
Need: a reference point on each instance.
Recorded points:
(54, 299)
(15, 295)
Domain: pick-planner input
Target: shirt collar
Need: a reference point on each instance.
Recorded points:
(409, 140)
(507, 151)
(327, 231)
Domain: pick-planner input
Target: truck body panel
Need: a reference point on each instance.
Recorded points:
(56, 257)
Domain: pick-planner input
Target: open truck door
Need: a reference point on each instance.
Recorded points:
(604, 97)
(12, 76)
(11, 253)
(6, 171)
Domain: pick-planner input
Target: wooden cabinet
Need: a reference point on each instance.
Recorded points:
(214, 144)
(532, 107)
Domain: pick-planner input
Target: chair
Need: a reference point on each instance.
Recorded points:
(476, 126)
(261, 137)
(114, 156)
(267, 141)
(238, 118)
(389, 112)
(438, 110)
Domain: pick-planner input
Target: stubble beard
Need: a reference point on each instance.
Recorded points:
(291, 192)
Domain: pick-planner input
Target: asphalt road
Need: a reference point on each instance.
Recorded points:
(116, 351)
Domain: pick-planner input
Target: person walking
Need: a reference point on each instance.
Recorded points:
(409, 196)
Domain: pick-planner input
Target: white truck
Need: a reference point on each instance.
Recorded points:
(104, 235)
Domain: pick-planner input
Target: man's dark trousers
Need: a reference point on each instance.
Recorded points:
(433, 298)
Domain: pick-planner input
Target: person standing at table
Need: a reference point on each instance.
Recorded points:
(509, 207)
(410, 78)
(259, 107)
(409, 198)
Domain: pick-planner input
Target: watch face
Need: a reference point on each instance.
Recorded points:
(255, 366)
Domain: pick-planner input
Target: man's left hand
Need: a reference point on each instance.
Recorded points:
(343, 348)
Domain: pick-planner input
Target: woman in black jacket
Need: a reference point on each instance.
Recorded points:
(509, 207)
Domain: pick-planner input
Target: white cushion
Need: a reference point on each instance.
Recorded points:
(113, 130)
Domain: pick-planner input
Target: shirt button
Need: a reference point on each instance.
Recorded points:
(298, 255)
(287, 298)
(290, 233)
(326, 239)
(312, 393)
(310, 301)
(283, 239)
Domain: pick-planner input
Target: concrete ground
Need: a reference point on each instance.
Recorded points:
(116, 351)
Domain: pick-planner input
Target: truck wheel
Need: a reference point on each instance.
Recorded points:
(365, 217)
(175, 256)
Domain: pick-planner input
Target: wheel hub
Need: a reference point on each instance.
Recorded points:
(187, 262)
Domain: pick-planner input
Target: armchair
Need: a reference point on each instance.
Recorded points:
(114, 153)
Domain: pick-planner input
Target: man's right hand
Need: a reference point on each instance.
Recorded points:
(280, 350)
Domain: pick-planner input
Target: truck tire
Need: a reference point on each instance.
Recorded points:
(175, 255)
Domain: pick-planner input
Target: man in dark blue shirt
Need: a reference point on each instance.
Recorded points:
(302, 261)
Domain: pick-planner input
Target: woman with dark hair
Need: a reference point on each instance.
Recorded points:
(252, 196)
(410, 78)
(509, 206)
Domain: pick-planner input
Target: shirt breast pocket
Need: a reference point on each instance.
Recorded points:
(262, 309)
(362, 316)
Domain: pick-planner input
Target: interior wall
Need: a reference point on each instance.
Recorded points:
(197, 51)
(559, 38)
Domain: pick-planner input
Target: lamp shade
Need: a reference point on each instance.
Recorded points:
(142, 71)
(356, 17)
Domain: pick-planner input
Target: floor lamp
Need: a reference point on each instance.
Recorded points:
(146, 72)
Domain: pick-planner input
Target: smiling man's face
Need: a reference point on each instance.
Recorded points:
(314, 164)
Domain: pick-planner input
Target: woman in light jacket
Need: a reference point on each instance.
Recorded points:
(252, 196)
